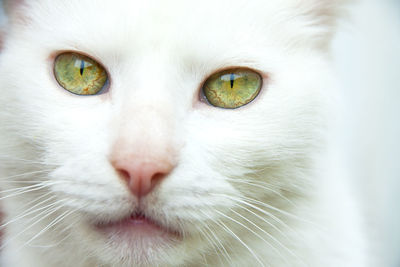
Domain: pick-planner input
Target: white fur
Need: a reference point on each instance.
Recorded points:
(157, 54)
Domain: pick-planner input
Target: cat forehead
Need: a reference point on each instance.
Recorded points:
(130, 25)
(161, 13)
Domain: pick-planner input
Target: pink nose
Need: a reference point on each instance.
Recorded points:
(142, 176)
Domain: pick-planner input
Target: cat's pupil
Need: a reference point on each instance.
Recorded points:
(82, 67)
(232, 79)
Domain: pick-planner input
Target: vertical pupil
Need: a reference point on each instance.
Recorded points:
(82, 67)
(232, 79)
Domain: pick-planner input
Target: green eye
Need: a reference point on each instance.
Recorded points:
(79, 74)
(232, 88)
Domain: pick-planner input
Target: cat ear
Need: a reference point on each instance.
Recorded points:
(12, 9)
(323, 17)
(11, 5)
(326, 11)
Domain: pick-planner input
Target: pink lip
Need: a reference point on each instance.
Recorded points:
(138, 228)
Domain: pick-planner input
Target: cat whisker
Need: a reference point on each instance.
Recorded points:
(262, 218)
(204, 260)
(23, 187)
(272, 237)
(262, 185)
(263, 231)
(24, 174)
(31, 182)
(228, 230)
(70, 225)
(248, 200)
(243, 200)
(27, 189)
(212, 243)
(51, 224)
(252, 231)
(50, 210)
(28, 161)
(30, 211)
(269, 214)
(220, 246)
(77, 218)
(36, 199)
(318, 227)
(286, 213)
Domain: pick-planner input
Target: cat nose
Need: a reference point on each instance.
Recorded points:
(144, 151)
(142, 176)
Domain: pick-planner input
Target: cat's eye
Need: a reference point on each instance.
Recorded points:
(232, 88)
(79, 74)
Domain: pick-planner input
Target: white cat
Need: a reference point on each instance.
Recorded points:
(172, 133)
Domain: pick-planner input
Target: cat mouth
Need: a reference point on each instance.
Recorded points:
(139, 232)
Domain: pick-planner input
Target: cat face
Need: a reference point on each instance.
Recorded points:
(149, 149)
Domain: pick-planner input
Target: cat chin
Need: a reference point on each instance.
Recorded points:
(138, 253)
(137, 247)
(142, 245)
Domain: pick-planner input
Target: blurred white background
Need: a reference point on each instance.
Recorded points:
(367, 61)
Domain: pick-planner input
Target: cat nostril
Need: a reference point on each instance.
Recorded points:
(157, 178)
(123, 174)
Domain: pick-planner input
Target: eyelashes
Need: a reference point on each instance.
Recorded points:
(228, 89)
